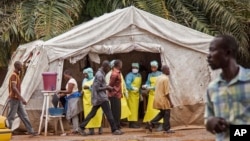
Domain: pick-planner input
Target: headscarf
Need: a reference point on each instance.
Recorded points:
(154, 64)
(89, 71)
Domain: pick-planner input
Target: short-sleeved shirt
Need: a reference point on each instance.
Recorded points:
(15, 77)
(116, 83)
(229, 100)
(72, 81)
(161, 91)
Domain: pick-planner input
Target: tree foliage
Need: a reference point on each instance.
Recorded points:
(7, 16)
(27, 20)
(215, 17)
(156, 7)
(44, 19)
(23, 21)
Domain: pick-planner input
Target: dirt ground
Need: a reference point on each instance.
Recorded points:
(129, 135)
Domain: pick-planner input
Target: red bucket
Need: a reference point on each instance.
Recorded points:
(49, 81)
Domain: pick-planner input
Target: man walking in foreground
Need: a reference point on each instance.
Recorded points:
(99, 99)
(16, 101)
(162, 101)
(228, 96)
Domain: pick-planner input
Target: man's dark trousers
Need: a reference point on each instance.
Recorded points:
(107, 111)
(115, 104)
(165, 114)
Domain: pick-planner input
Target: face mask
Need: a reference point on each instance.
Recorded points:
(135, 70)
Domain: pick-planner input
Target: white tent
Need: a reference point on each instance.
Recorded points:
(123, 31)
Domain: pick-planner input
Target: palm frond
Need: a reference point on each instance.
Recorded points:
(26, 19)
(227, 21)
(118, 4)
(4, 55)
(8, 28)
(240, 8)
(96, 8)
(156, 7)
(47, 18)
(6, 36)
(22, 21)
(188, 14)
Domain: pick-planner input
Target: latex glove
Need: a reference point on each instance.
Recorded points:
(150, 88)
(135, 89)
(126, 94)
(144, 86)
(141, 97)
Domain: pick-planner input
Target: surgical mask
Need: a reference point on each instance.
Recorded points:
(135, 70)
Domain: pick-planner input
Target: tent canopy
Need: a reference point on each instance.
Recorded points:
(129, 23)
(123, 31)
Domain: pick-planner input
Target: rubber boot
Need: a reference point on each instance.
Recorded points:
(91, 131)
(133, 125)
(160, 128)
(100, 131)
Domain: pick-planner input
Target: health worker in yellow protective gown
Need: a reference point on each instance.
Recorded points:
(125, 111)
(150, 85)
(96, 121)
(133, 83)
